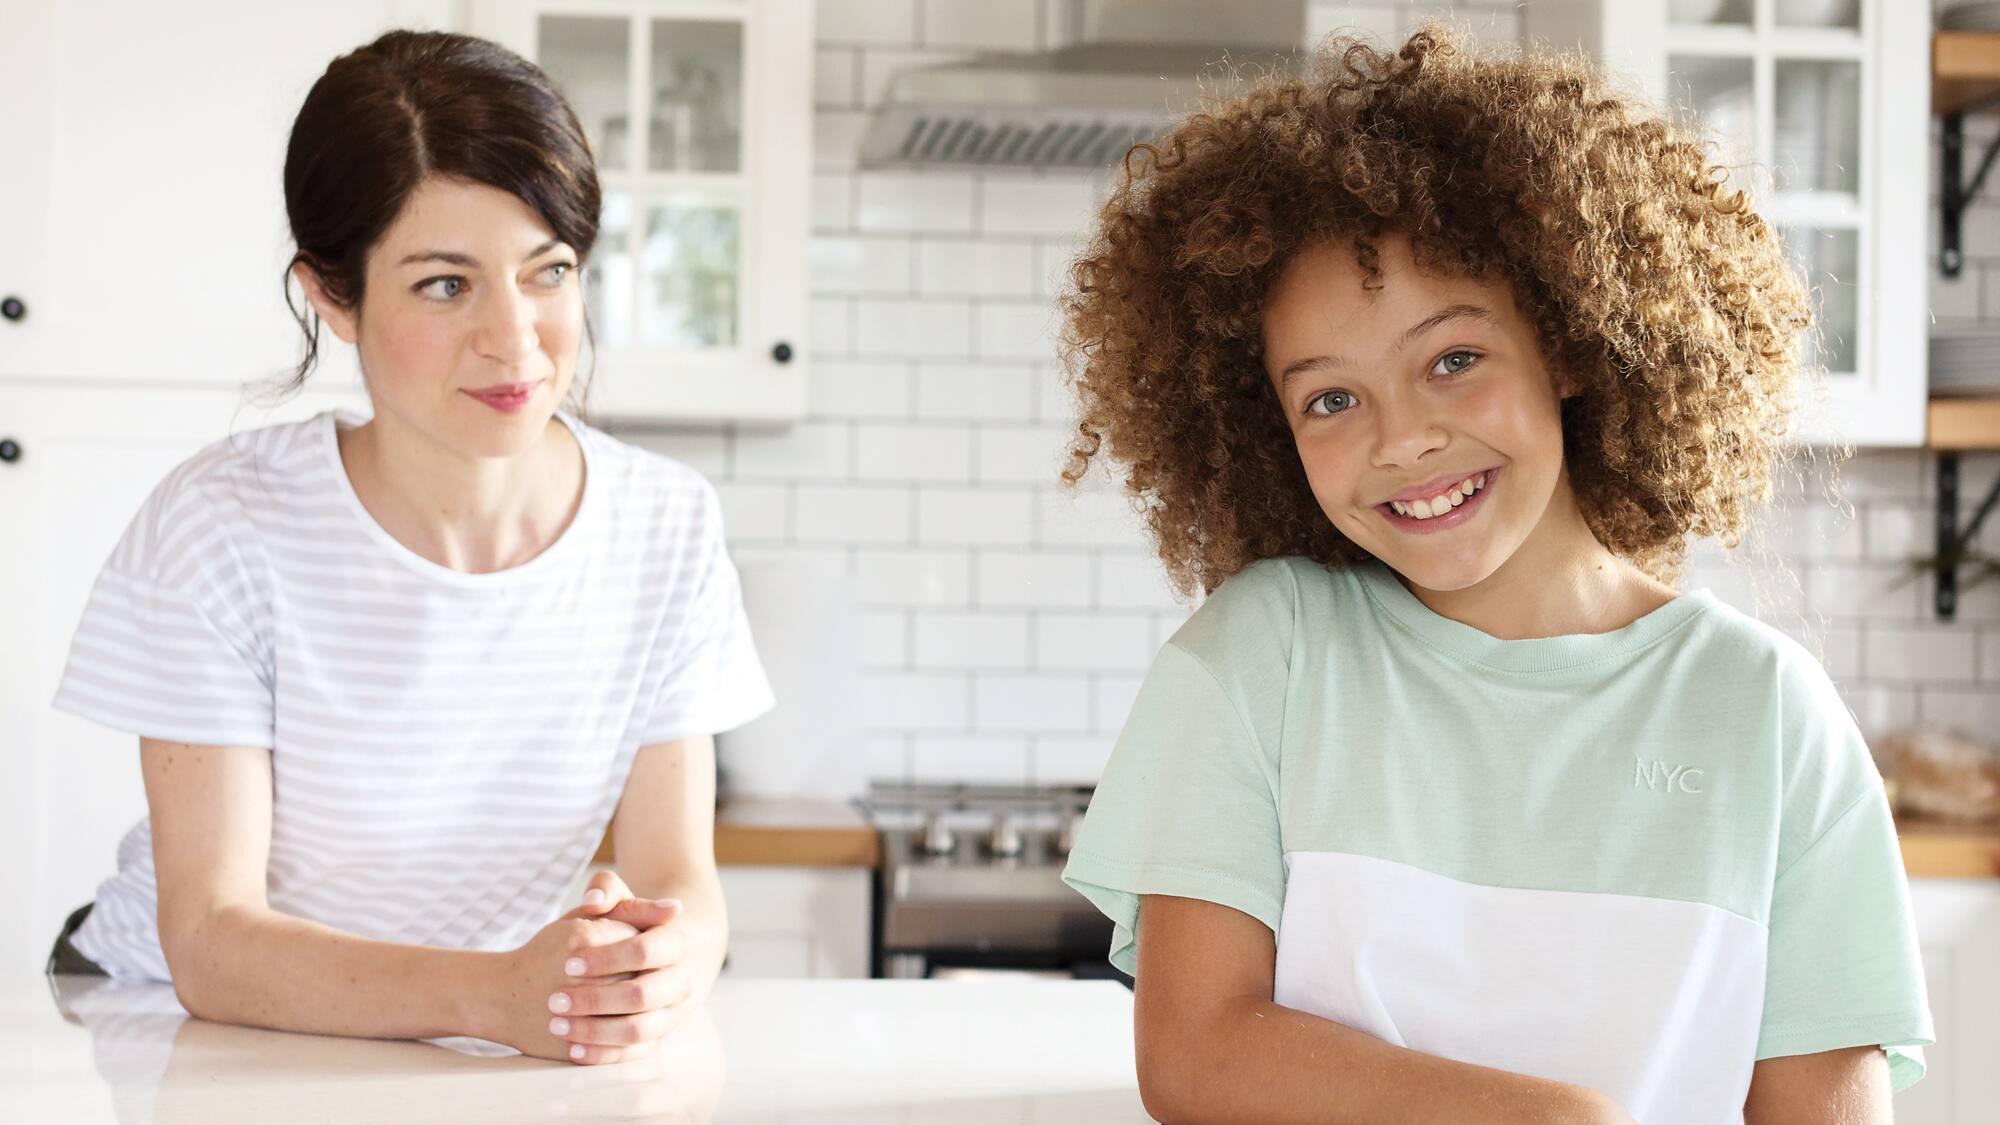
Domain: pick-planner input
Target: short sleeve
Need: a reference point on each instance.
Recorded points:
(1187, 806)
(709, 679)
(1843, 967)
(174, 641)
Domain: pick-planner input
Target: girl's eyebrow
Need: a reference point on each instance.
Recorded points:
(468, 261)
(1450, 312)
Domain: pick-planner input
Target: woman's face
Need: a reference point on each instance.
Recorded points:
(1428, 424)
(470, 324)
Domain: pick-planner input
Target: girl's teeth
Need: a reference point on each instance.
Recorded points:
(1426, 509)
(1457, 497)
(1422, 508)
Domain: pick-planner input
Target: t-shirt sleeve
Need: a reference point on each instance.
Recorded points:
(1186, 806)
(1843, 968)
(709, 679)
(174, 641)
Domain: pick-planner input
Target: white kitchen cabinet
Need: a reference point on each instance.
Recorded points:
(86, 456)
(1958, 924)
(700, 114)
(142, 222)
(1822, 110)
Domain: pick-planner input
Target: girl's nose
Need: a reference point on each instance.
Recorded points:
(1403, 434)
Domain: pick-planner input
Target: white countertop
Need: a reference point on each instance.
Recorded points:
(81, 1050)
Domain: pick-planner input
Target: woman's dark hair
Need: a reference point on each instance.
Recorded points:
(416, 104)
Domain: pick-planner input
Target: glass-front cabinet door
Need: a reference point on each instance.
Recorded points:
(699, 115)
(1820, 110)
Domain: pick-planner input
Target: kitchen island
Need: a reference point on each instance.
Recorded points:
(81, 1050)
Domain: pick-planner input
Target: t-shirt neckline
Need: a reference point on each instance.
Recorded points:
(551, 557)
(1534, 654)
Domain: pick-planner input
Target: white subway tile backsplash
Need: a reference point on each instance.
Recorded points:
(852, 513)
(1069, 759)
(833, 202)
(1054, 205)
(1115, 694)
(972, 640)
(832, 326)
(809, 450)
(1972, 711)
(704, 451)
(1381, 23)
(884, 637)
(1133, 581)
(837, 137)
(1025, 455)
(997, 392)
(924, 452)
(1880, 710)
(836, 77)
(869, 264)
(915, 329)
(1872, 590)
(1054, 260)
(755, 512)
(1015, 330)
(888, 757)
(1076, 642)
(988, 25)
(1089, 518)
(928, 202)
(991, 759)
(1031, 702)
(976, 267)
(1921, 655)
(1900, 531)
(916, 701)
(1031, 579)
(973, 516)
(1957, 299)
(874, 388)
(880, 67)
(913, 578)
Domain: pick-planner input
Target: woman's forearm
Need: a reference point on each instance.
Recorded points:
(258, 967)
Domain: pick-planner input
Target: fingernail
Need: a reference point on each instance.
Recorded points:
(593, 897)
(576, 1052)
(558, 1026)
(573, 966)
(559, 1002)
(667, 902)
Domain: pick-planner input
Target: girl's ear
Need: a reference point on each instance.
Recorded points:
(338, 318)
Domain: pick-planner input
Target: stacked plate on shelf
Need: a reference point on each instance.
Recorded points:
(1978, 16)
(1965, 362)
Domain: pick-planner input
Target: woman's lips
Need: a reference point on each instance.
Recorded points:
(507, 397)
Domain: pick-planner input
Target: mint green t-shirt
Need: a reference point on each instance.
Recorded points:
(1638, 861)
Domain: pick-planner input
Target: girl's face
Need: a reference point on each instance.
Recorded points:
(471, 320)
(1428, 425)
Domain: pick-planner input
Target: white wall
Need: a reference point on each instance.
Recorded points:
(1005, 627)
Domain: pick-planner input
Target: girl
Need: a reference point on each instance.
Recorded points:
(1445, 805)
(393, 677)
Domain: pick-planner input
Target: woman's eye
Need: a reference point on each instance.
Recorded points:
(1454, 362)
(1331, 402)
(558, 271)
(442, 288)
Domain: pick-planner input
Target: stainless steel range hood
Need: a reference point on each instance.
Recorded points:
(1126, 69)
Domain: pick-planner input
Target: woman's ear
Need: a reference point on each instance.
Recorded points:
(337, 317)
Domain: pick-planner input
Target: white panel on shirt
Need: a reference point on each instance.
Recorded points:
(1654, 1002)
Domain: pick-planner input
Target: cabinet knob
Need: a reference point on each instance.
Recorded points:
(10, 450)
(13, 308)
(782, 352)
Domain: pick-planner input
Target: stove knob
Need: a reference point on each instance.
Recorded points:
(1005, 839)
(937, 838)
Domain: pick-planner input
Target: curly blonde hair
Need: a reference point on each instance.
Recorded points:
(1653, 286)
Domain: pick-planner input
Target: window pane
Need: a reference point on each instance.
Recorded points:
(1716, 96)
(1829, 260)
(607, 290)
(690, 263)
(697, 102)
(1818, 133)
(586, 59)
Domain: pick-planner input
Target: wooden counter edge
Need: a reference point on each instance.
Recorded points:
(1933, 850)
(787, 833)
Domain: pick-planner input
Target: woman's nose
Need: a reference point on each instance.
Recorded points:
(507, 327)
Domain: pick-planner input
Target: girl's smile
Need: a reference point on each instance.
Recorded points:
(1435, 507)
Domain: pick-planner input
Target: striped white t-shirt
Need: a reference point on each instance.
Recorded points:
(446, 748)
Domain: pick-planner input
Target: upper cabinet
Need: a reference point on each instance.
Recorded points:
(1821, 110)
(142, 224)
(142, 227)
(700, 114)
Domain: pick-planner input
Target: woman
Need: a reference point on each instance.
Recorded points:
(392, 678)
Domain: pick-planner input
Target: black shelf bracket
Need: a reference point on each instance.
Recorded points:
(1952, 540)
(1955, 193)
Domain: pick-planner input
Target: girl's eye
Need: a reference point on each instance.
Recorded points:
(1465, 360)
(441, 288)
(1330, 402)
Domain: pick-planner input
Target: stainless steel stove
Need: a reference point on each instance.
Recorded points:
(971, 883)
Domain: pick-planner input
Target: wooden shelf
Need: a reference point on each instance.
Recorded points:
(1965, 69)
(1949, 851)
(1964, 423)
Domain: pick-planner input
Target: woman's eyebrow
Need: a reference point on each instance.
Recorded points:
(1449, 312)
(452, 257)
